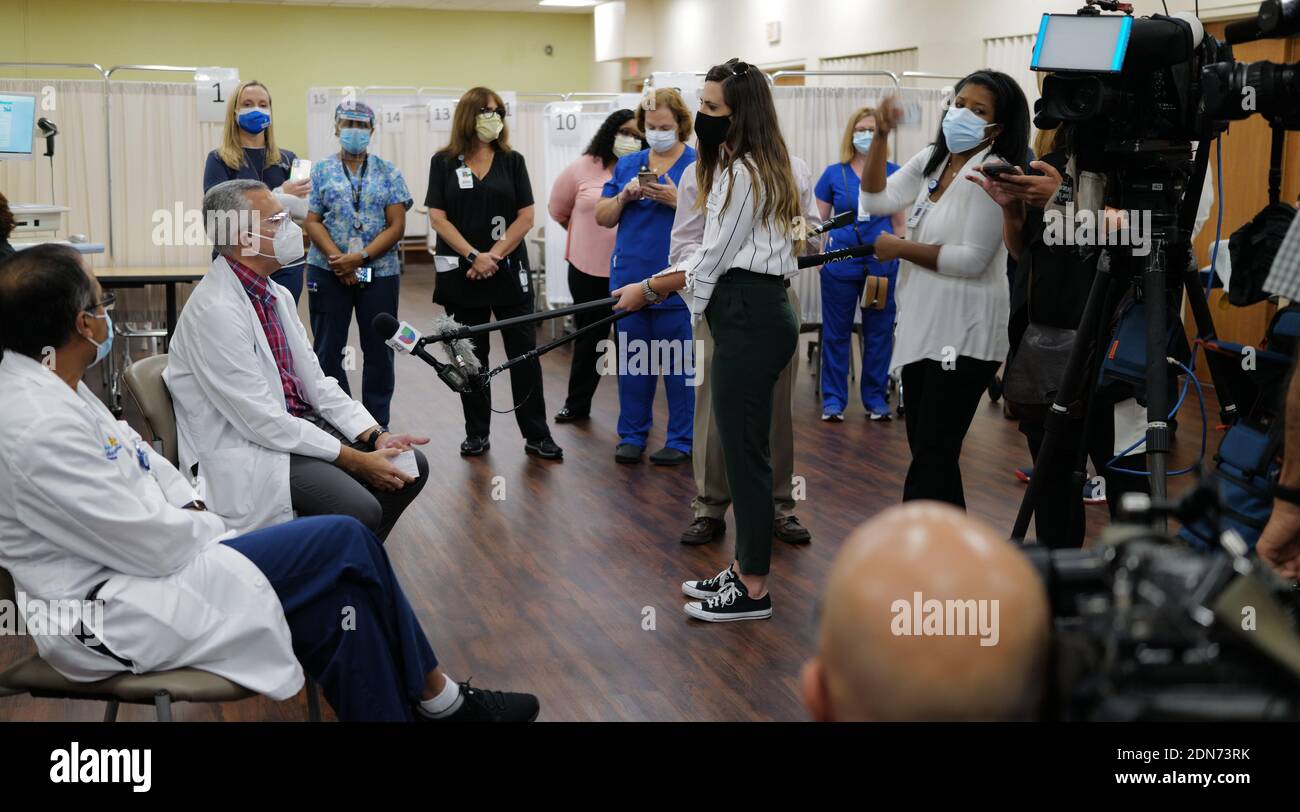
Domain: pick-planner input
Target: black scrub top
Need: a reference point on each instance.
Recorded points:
(500, 194)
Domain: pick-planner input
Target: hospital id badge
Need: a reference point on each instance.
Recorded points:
(465, 177)
(918, 213)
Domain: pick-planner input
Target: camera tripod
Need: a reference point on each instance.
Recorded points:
(1149, 177)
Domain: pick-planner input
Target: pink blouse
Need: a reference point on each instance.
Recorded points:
(573, 205)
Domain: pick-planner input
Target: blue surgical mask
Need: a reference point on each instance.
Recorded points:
(354, 140)
(254, 120)
(102, 348)
(661, 140)
(962, 129)
(862, 140)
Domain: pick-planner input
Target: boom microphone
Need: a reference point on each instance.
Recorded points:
(459, 351)
(407, 340)
(838, 221)
(813, 260)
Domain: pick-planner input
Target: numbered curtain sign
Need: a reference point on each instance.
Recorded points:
(212, 89)
(390, 117)
(319, 100)
(440, 115)
(562, 122)
(511, 98)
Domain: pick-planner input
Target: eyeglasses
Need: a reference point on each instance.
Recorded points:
(492, 111)
(108, 303)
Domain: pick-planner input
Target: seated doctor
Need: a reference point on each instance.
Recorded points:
(269, 432)
(91, 512)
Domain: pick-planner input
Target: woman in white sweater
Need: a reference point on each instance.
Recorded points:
(952, 290)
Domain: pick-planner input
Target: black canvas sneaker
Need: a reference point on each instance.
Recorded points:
(478, 705)
(731, 603)
(710, 586)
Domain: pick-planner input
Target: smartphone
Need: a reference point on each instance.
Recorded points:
(364, 275)
(996, 170)
(646, 176)
(300, 169)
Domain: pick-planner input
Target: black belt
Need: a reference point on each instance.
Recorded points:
(745, 275)
(92, 642)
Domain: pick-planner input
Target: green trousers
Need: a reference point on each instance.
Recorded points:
(755, 333)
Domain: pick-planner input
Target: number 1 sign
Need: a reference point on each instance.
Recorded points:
(212, 87)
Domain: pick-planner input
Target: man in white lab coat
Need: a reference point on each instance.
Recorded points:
(266, 431)
(90, 513)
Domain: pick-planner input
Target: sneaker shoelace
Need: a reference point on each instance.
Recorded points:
(726, 597)
(717, 580)
(493, 701)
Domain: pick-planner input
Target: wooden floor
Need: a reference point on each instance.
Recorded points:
(542, 576)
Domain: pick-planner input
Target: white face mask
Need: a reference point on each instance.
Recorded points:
(661, 140)
(626, 145)
(288, 244)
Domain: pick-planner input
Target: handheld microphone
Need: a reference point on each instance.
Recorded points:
(837, 221)
(407, 340)
(852, 251)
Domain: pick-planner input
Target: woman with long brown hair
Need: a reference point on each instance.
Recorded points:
(481, 207)
(248, 151)
(738, 276)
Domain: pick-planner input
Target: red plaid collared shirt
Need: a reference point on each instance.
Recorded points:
(263, 299)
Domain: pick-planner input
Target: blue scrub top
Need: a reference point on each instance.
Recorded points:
(839, 186)
(645, 227)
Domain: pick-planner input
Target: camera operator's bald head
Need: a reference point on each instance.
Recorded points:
(929, 614)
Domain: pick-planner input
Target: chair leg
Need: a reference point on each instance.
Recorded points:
(163, 702)
(110, 713)
(313, 701)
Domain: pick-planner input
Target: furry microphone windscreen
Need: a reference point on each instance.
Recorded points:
(459, 352)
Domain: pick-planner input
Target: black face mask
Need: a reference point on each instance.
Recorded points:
(711, 130)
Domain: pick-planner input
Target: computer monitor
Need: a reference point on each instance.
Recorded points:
(17, 126)
(1069, 42)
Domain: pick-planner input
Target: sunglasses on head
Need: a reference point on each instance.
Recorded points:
(739, 68)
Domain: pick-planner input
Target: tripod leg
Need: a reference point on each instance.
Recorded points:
(1153, 292)
(1073, 380)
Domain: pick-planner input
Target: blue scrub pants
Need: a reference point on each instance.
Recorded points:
(292, 278)
(331, 304)
(352, 627)
(841, 287)
(638, 378)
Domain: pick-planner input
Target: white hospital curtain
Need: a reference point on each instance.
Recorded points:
(895, 61)
(408, 146)
(1011, 55)
(557, 158)
(80, 158)
(813, 121)
(528, 138)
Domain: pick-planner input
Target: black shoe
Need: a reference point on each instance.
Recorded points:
(544, 448)
(474, 446)
(995, 389)
(628, 454)
(703, 530)
(566, 416)
(478, 705)
(669, 456)
(731, 603)
(710, 586)
(791, 531)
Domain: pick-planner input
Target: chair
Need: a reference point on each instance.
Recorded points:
(144, 383)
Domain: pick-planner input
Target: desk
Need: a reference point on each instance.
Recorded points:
(142, 277)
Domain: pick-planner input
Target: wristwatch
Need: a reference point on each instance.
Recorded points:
(375, 435)
(649, 292)
(471, 256)
(1286, 494)
(365, 255)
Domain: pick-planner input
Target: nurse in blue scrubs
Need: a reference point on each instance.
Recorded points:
(643, 214)
(842, 282)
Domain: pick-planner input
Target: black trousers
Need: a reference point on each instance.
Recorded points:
(525, 378)
(941, 403)
(584, 374)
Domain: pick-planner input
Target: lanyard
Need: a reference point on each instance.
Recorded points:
(357, 188)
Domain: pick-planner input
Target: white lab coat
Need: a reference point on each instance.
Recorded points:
(230, 409)
(78, 507)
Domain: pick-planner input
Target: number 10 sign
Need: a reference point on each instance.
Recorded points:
(562, 122)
